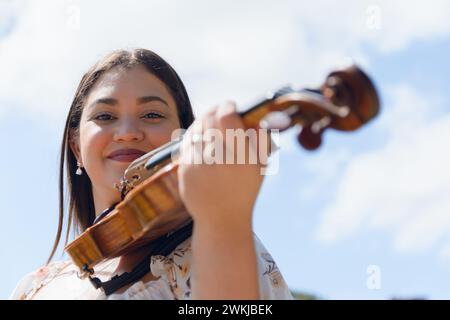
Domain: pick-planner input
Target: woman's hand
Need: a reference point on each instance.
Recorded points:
(220, 198)
(219, 193)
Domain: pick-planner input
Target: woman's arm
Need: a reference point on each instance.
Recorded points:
(224, 262)
(220, 198)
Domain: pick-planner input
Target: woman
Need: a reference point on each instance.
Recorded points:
(127, 104)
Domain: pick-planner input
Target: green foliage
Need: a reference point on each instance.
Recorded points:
(304, 296)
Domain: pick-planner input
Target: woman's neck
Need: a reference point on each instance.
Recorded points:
(104, 199)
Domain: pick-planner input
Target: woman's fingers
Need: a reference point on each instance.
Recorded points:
(220, 137)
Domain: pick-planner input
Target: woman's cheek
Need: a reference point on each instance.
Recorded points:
(94, 142)
(160, 134)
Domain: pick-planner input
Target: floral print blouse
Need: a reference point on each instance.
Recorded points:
(60, 280)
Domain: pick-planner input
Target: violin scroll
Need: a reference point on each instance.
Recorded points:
(346, 101)
(354, 94)
(351, 88)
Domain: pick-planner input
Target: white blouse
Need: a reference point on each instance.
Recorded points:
(59, 280)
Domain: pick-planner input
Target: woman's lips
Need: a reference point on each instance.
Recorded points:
(126, 155)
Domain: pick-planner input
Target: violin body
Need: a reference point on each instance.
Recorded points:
(154, 205)
(151, 206)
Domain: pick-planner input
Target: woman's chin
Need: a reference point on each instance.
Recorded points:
(117, 167)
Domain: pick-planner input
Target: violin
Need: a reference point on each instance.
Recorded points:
(151, 207)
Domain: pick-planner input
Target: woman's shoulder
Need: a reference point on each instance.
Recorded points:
(272, 282)
(33, 281)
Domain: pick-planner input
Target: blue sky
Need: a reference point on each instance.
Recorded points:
(376, 197)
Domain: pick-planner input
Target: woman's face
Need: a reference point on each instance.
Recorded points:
(126, 109)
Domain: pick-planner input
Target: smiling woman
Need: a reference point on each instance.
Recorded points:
(126, 105)
(128, 108)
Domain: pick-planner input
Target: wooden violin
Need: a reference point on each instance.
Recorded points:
(151, 206)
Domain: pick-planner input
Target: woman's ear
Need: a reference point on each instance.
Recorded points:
(74, 144)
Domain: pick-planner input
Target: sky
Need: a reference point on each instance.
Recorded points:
(367, 216)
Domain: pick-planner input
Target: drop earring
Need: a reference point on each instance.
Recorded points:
(79, 171)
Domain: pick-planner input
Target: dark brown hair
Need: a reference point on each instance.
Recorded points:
(81, 211)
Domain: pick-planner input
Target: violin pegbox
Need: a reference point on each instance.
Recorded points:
(351, 88)
(346, 101)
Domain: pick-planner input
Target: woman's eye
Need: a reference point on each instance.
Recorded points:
(107, 117)
(103, 117)
(153, 115)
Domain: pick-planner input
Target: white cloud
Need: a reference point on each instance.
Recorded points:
(401, 188)
(222, 50)
(386, 25)
(9, 10)
(444, 254)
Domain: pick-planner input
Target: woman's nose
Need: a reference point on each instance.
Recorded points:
(128, 130)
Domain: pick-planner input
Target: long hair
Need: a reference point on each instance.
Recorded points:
(81, 211)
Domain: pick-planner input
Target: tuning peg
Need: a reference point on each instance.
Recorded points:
(309, 139)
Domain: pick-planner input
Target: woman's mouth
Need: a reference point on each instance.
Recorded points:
(126, 155)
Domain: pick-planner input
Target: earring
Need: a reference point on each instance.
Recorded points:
(79, 171)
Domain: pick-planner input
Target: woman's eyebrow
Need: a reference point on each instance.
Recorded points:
(141, 100)
(145, 99)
